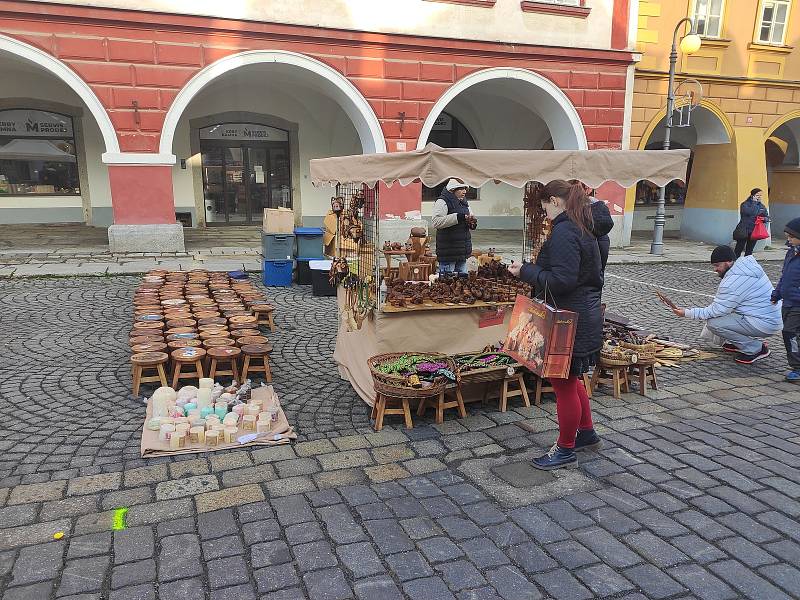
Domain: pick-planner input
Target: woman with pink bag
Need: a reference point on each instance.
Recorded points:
(753, 216)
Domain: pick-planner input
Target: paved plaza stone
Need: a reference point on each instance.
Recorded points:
(694, 495)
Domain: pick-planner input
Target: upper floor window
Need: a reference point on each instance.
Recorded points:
(707, 18)
(772, 25)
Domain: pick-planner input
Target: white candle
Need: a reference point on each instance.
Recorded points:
(203, 397)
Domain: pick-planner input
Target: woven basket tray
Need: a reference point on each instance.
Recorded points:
(618, 359)
(396, 386)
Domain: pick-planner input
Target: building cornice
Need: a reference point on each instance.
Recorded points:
(762, 81)
(238, 29)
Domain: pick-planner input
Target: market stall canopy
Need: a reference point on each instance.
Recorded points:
(433, 165)
(23, 149)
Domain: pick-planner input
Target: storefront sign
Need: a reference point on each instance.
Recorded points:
(243, 131)
(22, 123)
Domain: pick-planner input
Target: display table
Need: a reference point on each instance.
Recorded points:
(446, 331)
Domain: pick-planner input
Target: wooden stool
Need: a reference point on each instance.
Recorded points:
(252, 339)
(187, 356)
(263, 315)
(256, 352)
(644, 373)
(518, 380)
(224, 354)
(239, 333)
(616, 375)
(218, 342)
(145, 339)
(242, 321)
(175, 344)
(442, 404)
(152, 361)
(149, 347)
(388, 405)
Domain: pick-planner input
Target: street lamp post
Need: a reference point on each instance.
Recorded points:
(689, 44)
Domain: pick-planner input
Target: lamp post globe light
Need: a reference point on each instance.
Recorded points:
(689, 44)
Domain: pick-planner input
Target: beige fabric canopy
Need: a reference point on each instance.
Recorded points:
(433, 165)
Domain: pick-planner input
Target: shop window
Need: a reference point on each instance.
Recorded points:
(707, 18)
(772, 25)
(37, 154)
(448, 132)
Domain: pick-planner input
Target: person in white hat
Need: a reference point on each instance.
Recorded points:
(453, 223)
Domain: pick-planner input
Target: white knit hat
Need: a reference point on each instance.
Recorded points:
(454, 184)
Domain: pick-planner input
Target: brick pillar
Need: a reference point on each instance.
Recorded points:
(144, 209)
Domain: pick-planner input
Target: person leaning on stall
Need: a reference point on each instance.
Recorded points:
(453, 223)
(568, 270)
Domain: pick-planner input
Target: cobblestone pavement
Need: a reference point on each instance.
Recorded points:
(693, 496)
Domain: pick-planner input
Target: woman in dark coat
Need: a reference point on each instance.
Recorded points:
(568, 269)
(748, 211)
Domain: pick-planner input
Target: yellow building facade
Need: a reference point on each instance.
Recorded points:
(744, 131)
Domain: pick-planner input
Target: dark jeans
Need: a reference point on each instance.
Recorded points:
(791, 335)
(746, 245)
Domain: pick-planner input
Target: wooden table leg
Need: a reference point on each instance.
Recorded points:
(460, 399)
(407, 414)
(440, 408)
(524, 389)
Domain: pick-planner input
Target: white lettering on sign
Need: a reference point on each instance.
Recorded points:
(243, 131)
(34, 123)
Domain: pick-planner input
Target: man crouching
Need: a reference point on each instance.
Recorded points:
(741, 314)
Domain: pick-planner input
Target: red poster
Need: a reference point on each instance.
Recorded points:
(541, 337)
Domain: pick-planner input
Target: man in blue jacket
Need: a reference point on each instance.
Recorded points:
(788, 291)
(741, 312)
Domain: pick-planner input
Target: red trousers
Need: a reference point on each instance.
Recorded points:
(572, 407)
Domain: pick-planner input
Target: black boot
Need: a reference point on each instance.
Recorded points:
(587, 439)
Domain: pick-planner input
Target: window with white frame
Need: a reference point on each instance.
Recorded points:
(772, 26)
(707, 17)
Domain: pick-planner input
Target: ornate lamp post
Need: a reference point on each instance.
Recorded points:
(689, 44)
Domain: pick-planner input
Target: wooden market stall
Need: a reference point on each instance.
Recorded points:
(367, 325)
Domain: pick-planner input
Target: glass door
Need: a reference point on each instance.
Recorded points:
(241, 179)
(280, 177)
(237, 209)
(257, 176)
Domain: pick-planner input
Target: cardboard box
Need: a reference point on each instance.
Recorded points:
(278, 220)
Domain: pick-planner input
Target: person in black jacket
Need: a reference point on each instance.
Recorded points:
(748, 211)
(454, 223)
(602, 222)
(602, 225)
(569, 272)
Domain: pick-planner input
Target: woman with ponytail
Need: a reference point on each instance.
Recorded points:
(568, 270)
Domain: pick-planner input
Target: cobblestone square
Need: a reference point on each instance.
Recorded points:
(694, 494)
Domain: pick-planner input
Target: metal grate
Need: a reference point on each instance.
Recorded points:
(537, 227)
(360, 216)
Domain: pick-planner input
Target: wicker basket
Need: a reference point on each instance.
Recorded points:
(618, 358)
(645, 352)
(396, 386)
